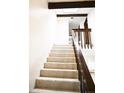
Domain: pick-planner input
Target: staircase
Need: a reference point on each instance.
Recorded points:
(60, 73)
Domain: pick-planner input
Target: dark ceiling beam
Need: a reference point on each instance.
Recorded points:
(76, 4)
(71, 15)
(82, 30)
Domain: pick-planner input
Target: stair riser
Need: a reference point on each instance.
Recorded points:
(63, 48)
(60, 66)
(59, 74)
(66, 49)
(60, 60)
(49, 91)
(61, 55)
(60, 48)
(58, 85)
(63, 51)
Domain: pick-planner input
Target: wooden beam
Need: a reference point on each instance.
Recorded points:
(76, 4)
(71, 15)
(82, 30)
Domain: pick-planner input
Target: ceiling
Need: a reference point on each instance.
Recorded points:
(75, 22)
(73, 11)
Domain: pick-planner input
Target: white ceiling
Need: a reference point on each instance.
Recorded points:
(75, 22)
(73, 11)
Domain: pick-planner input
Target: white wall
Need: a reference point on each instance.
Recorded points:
(75, 23)
(38, 4)
(42, 36)
(62, 33)
(91, 24)
(82, 23)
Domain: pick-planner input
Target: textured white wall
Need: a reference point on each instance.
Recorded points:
(75, 23)
(91, 24)
(42, 36)
(62, 33)
(38, 4)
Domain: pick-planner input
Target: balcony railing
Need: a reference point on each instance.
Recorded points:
(83, 36)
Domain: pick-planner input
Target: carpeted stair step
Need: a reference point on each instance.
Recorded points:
(55, 65)
(60, 84)
(59, 73)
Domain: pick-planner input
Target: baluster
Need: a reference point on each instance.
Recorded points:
(81, 40)
(84, 40)
(78, 37)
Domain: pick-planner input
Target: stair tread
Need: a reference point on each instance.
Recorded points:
(60, 57)
(61, 48)
(58, 79)
(59, 73)
(50, 91)
(58, 84)
(65, 49)
(56, 65)
(62, 45)
(61, 52)
(53, 57)
(59, 69)
(59, 63)
(58, 48)
(68, 51)
(62, 61)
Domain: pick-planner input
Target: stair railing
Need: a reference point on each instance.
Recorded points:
(86, 82)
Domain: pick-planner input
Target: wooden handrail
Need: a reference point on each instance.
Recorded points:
(86, 36)
(86, 81)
